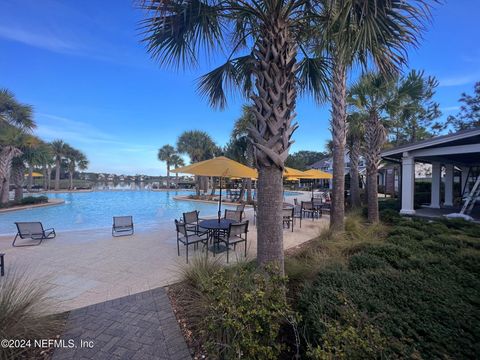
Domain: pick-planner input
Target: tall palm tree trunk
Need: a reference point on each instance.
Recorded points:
(176, 180)
(18, 171)
(7, 153)
(337, 218)
(249, 190)
(30, 178)
(45, 177)
(49, 177)
(354, 175)
(374, 139)
(168, 175)
(70, 177)
(57, 174)
(274, 111)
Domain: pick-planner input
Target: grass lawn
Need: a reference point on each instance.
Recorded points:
(403, 289)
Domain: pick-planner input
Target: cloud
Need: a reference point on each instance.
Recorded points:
(460, 80)
(44, 41)
(449, 108)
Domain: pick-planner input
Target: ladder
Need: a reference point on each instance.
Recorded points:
(471, 198)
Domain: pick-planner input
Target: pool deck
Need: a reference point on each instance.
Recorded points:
(89, 267)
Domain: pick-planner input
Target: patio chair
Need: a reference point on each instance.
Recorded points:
(186, 238)
(33, 231)
(191, 219)
(308, 210)
(235, 234)
(233, 215)
(241, 208)
(122, 226)
(288, 217)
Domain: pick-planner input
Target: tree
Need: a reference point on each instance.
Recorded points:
(372, 95)
(302, 159)
(469, 115)
(355, 135)
(177, 162)
(75, 158)
(165, 153)
(262, 40)
(356, 31)
(240, 147)
(15, 120)
(412, 117)
(199, 146)
(60, 150)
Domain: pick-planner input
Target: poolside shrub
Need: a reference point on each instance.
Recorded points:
(25, 313)
(417, 295)
(236, 311)
(29, 200)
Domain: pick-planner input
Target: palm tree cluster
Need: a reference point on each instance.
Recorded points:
(276, 50)
(21, 151)
(198, 145)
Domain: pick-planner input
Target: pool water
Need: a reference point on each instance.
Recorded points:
(94, 210)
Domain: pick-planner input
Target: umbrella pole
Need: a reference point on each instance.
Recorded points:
(220, 202)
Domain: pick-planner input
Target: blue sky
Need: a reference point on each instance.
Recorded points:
(83, 68)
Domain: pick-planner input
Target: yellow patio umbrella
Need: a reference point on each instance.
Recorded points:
(294, 173)
(221, 167)
(35, 174)
(318, 175)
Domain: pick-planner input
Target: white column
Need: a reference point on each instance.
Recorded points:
(465, 171)
(448, 185)
(436, 179)
(408, 184)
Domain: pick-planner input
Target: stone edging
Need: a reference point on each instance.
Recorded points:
(51, 202)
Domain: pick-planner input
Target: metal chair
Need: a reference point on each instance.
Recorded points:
(187, 239)
(191, 219)
(235, 234)
(288, 217)
(33, 231)
(122, 226)
(233, 215)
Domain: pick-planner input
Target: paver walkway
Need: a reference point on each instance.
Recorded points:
(139, 326)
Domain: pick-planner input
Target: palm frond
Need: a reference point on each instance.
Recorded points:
(314, 77)
(177, 31)
(232, 75)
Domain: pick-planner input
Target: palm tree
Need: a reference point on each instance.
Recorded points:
(165, 153)
(355, 31)
(240, 133)
(355, 134)
(262, 39)
(177, 162)
(15, 120)
(74, 158)
(60, 150)
(199, 146)
(372, 95)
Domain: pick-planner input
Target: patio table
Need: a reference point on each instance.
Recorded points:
(214, 227)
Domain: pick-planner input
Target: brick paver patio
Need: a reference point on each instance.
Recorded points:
(139, 326)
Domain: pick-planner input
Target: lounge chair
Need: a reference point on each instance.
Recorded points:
(33, 231)
(241, 208)
(235, 234)
(122, 226)
(186, 238)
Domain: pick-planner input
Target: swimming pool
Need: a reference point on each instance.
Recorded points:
(94, 210)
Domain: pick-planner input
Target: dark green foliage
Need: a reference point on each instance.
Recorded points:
(236, 312)
(302, 159)
(420, 291)
(390, 216)
(29, 200)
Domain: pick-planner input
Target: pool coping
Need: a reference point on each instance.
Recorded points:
(51, 202)
(184, 198)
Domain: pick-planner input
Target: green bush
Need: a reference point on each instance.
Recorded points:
(390, 216)
(236, 312)
(31, 200)
(419, 290)
(25, 313)
(352, 336)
